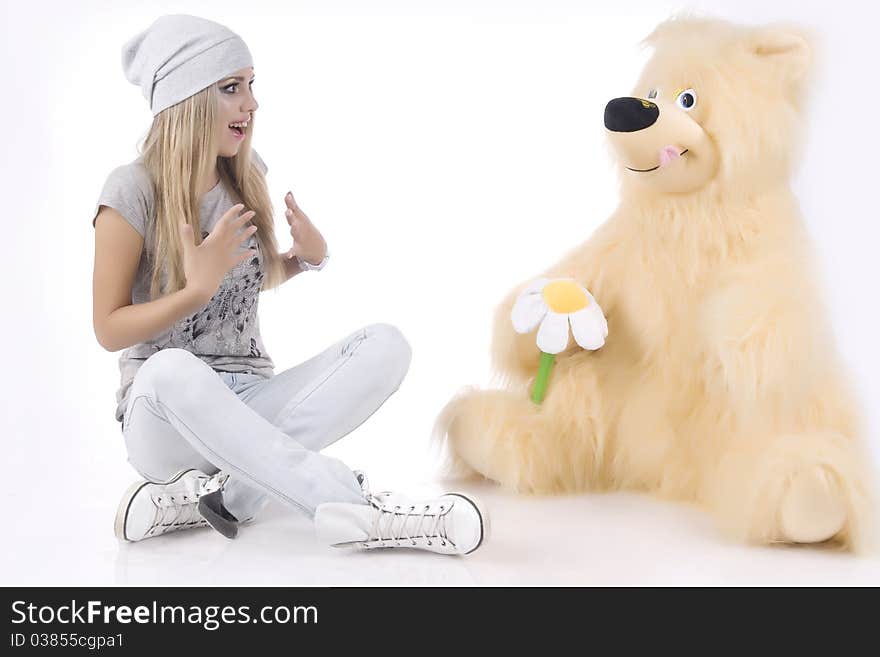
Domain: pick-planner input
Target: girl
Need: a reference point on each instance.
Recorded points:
(206, 422)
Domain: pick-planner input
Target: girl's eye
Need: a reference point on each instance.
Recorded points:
(235, 84)
(652, 94)
(687, 100)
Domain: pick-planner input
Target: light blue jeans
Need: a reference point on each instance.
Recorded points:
(265, 433)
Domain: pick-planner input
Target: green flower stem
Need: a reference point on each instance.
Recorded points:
(540, 386)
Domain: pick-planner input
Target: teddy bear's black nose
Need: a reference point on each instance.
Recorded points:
(630, 114)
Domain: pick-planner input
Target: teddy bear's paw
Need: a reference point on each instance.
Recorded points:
(813, 508)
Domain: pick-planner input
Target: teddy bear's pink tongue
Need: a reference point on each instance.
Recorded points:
(669, 154)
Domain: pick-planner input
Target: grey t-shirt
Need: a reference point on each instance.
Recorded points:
(226, 332)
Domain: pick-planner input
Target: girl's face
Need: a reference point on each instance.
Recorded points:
(236, 106)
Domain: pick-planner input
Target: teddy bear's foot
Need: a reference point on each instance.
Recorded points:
(813, 508)
(504, 436)
(807, 488)
(474, 425)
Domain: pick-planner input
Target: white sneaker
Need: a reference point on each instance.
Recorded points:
(151, 508)
(453, 523)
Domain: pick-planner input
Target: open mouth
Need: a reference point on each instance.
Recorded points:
(662, 163)
(238, 131)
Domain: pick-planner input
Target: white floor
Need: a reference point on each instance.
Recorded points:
(618, 539)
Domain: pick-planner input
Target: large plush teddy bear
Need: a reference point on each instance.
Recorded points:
(718, 382)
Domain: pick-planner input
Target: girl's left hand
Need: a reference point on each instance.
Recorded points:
(308, 243)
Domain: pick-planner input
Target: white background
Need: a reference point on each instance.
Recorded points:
(447, 150)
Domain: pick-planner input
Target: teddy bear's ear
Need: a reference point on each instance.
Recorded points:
(788, 51)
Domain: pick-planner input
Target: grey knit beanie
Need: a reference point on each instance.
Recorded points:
(179, 55)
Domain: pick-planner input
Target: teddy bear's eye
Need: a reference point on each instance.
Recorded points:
(652, 94)
(687, 100)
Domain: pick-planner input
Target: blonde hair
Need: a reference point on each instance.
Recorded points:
(178, 155)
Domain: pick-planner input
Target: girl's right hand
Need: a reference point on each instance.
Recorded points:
(206, 265)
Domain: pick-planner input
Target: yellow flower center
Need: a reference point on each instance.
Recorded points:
(565, 297)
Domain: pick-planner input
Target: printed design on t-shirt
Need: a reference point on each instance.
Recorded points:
(227, 325)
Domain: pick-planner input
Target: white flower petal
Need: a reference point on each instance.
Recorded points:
(589, 327)
(553, 334)
(536, 286)
(596, 309)
(527, 312)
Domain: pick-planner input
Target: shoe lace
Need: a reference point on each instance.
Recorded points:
(180, 509)
(428, 526)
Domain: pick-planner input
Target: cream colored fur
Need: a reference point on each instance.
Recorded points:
(719, 383)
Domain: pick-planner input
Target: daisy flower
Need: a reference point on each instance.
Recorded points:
(555, 305)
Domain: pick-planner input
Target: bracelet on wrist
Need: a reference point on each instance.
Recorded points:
(305, 265)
